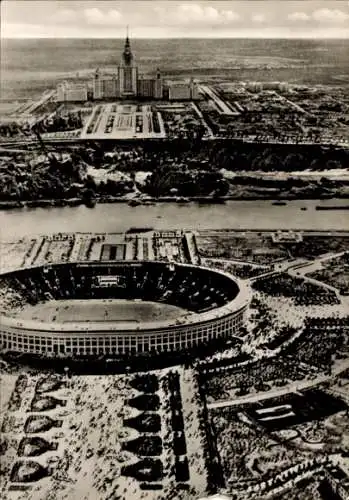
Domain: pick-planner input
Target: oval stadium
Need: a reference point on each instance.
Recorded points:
(118, 309)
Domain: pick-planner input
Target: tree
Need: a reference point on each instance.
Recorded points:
(221, 188)
(90, 183)
(293, 161)
(333, 164)
(88, 195)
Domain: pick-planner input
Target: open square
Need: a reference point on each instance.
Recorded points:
(124, 121)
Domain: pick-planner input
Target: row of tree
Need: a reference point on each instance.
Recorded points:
(167, 181)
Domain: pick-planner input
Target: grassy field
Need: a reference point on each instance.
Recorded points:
(67, 311)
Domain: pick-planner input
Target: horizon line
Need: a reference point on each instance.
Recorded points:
(174, 38)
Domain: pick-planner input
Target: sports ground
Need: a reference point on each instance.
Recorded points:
(96, 310)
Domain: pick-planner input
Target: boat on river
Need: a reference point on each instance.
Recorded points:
(279, 203)
(332, 207)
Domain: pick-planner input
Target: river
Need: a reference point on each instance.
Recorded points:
(119, 217)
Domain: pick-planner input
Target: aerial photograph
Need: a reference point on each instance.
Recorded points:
(174, 250)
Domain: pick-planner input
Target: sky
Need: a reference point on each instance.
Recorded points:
(173, 18)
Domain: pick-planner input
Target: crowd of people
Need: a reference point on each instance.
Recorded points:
(335, 272)
(11, 300)
(246, 450)
(243, 271)
(314, 245)
(320, 343)
(300, 290)
(147, 447)
(256, 249)
(253, 376)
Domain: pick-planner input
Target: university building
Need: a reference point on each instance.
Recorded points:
(126, 83)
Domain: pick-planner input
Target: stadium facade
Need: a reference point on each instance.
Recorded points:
(215, 304)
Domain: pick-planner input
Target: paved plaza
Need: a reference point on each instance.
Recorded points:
(124, 121)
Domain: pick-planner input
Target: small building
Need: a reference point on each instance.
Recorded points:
(72, 92)
(259, 86)
(183, 90)
(287, 237)
(179, 91)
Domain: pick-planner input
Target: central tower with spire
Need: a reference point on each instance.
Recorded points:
(127, 55)
(124, 82)
(128, 72)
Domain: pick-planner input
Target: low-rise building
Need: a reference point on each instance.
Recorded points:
(183, 90)
(178, 91)
(259, 86)
(287, 236)
(72, 92)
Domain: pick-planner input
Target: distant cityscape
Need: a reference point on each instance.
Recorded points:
(123, 103)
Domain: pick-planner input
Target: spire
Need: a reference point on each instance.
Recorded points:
(127, 54)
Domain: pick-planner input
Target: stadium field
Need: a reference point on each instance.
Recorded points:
(96, 310)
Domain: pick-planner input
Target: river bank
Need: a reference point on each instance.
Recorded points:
(148, 200)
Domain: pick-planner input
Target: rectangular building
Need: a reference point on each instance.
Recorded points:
(67, 92)
(178, 91)
(146, 87)
(105, 87)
